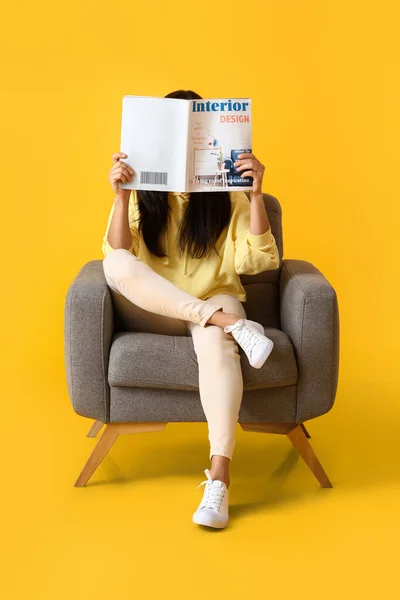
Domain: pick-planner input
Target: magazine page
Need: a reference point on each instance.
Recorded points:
(219, 130)
(154, 134)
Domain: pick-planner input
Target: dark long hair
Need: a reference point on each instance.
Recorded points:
(206, 215)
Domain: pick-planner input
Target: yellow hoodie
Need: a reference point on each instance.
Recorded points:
(241, 252)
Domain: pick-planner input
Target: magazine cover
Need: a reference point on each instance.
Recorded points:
(185, 145)
(219, 130)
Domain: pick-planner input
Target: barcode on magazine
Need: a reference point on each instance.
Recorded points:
(155, 177)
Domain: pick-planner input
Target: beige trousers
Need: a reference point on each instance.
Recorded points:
(146, 301)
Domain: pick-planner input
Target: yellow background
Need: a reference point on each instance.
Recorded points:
(324, 80)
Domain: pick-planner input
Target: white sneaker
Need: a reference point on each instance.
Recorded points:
(213, 509)
(250, 336)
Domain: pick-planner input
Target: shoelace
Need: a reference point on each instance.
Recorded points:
(247, 335)
(214, 495)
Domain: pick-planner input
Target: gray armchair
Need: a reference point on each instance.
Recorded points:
(111, 376)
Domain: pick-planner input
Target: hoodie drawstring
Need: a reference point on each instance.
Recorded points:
(184, 270)
(165, 259)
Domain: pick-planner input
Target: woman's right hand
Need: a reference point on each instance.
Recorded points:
(120, 172)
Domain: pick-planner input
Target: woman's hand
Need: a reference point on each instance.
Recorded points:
(120, 172)
(254, 168)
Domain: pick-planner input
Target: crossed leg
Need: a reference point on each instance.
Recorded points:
(146, 301)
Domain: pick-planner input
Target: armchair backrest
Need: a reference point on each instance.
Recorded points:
(262, 290)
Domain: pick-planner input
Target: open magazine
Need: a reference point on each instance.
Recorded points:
(185, 145)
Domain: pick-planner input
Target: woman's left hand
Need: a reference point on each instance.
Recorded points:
(254, 168)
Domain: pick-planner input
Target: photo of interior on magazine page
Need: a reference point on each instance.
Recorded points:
(219, 130)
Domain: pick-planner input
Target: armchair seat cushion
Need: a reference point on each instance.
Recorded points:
(150, 360)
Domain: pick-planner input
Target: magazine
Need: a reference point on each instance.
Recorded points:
(185, 145)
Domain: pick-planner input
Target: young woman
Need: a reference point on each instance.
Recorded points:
(194, 288)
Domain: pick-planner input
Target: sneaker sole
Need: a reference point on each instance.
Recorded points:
(268, 349)
(204, 521)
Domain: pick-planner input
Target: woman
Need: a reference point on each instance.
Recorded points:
(194, 289)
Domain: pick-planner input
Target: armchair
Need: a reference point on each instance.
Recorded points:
(111, 379)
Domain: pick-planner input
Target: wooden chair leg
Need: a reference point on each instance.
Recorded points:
(94, 430)
(298, 436)
(305, 430)
(302, 445)
(104, 444)
(109, 436)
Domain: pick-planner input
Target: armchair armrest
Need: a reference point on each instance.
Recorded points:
(88, 331)
(309, 315)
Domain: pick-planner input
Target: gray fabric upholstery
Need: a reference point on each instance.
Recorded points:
(152, 404)
(309, 315)
(144, 350)
(88, 331)
(262, 290)
(111, 375)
